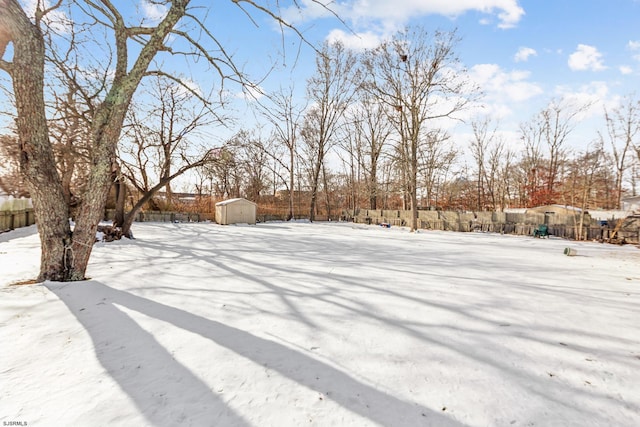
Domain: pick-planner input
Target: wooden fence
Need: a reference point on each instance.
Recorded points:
(565, 226)
(160, 216)
(12, 219)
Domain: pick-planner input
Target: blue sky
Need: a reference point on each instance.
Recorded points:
(522, 53)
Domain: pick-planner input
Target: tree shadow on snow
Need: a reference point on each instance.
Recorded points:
(167, 393)
(496, 315)
(160, 386)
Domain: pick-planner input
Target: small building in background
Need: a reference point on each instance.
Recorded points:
(631, 204)
(236, 211)
(555, 209)
(593, 213)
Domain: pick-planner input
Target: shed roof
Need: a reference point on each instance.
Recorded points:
(555, 206)
(230, 201)
(631, 199)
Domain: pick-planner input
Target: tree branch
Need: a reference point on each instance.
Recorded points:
(40, 13)
(6, 66)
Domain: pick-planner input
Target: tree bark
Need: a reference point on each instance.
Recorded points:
(121, 198)
(315, 180)
(292, 155)
(373, 186)
(327, 195)
(37, 160)
(65, 255)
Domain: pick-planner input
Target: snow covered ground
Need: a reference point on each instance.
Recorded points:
(294, 324)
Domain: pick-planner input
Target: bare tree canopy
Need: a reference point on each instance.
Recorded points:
(330, 92)
(131, 53)
(417, 75)
(285, 115)
(622, 133)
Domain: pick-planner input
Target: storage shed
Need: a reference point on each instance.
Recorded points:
(236, 211)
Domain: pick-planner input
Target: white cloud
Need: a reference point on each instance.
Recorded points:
(392, 15)
(633, 45)
(309, 10)
(56, 19)
(499, 85)
(510, 16)
(251, 93)
(154, 12)
(366, 40)
(524, 53)
(594, 94)
(189, 87)
(624, 69)
(586, 58)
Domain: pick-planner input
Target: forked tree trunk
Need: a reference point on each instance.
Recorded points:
(65, 254)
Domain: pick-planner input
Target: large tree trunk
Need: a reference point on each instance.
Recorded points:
(373, 187)
(65, 256)
(312, 205)
(413, 192)
(91, 209)
(37, 161)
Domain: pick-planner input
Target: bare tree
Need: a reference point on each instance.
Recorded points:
(372, 129)
(66, 252)
(69, 126)
(623, 128)
(436, 157)
(285, 116)
(558, 121)
(487, 149)
(225, 173)
(351, 156)
(504, 159)
(552, 127)
(580, 181)
(69, 130)
(330, 91)
(531, 164)
(419, 78)
(74, 98)
(158, 144)
(253, 155)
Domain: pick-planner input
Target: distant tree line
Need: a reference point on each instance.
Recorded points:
(371, 135)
